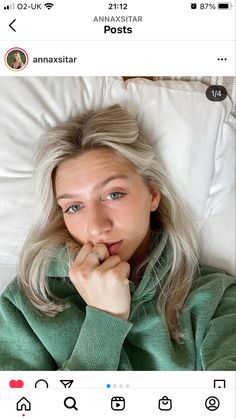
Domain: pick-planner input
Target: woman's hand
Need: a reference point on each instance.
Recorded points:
(102, 280)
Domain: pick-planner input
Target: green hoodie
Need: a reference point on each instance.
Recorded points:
(83, 338)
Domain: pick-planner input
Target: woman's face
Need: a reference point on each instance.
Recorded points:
(103, 199)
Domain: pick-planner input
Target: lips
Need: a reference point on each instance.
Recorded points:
(114, 247)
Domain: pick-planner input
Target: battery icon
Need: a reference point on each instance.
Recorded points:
(224, 5)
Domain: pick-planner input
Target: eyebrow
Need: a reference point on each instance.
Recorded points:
(100, 185)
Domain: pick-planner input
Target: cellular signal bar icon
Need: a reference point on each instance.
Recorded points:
(49, 5)
(9, 7)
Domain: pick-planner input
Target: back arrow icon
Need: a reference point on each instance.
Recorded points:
(12, 26)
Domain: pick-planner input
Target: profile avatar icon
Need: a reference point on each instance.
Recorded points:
(16, 59)
(212, 403)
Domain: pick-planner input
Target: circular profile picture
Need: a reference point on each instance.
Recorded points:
(212, 403)
(16, 59)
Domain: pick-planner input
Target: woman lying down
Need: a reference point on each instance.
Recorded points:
(108, 278)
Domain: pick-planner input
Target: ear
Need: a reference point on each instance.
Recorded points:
(155, 199)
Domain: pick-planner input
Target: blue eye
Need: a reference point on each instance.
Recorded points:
(73, 209)
(116, 195)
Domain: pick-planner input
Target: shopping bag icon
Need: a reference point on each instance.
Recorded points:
(165, 403)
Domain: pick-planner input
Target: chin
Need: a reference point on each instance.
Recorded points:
(126, 256)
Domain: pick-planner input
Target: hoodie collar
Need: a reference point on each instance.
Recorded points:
(156, 270)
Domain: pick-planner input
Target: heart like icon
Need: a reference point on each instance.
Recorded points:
(16, 384)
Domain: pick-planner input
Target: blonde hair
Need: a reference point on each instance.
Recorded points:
(18, 56)
(116, 129)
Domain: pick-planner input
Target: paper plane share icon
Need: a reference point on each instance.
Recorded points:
(67, 383)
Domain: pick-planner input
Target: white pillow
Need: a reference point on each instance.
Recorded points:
(193, 136)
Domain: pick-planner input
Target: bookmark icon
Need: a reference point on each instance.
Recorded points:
(67, 383)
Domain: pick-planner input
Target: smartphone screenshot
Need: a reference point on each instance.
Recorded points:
(117, 209)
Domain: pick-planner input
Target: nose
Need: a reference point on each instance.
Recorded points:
(98, 222)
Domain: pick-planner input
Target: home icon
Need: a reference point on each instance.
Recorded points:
(23, 404)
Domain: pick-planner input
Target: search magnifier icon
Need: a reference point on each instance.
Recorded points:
(70, 403)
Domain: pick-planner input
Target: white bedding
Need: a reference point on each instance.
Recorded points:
(195, 138)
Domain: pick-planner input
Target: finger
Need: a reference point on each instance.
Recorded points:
(100, 252)
(93, 259)
(122, 270)
(110, 263)
(83, 253)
